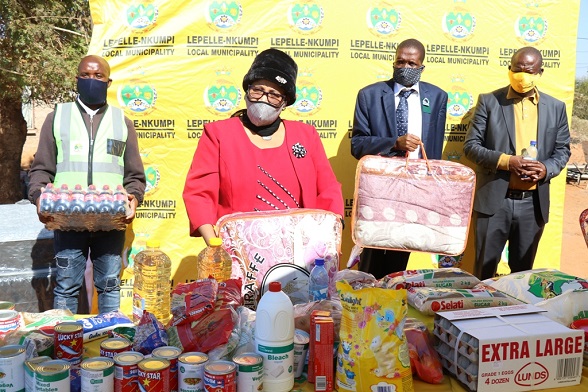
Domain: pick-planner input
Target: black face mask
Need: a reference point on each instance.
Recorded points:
(92, 91)
(407, 77)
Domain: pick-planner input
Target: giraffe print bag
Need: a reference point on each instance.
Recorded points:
(282, 243)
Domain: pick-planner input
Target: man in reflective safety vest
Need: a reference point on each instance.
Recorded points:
(88, 142)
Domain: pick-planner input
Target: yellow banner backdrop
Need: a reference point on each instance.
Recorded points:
(177, 65)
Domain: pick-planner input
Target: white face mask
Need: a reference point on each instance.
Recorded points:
(261, 113)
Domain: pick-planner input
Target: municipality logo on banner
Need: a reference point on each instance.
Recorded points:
(137, 96)
(308, 95)
(224, 95)
(458, 24)
(152, 177)
(459, 100)
(530, 28)
(224, 15)
(383, 21)
(141, 16)
(306, 17)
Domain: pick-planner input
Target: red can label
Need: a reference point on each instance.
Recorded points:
(220, 376)
(171, 354)
(69, 341)
(153, 375)
(126, 371)
(112, 346)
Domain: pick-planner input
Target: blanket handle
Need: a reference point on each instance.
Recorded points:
(424, 157)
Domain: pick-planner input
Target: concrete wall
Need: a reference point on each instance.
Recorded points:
(27, 265)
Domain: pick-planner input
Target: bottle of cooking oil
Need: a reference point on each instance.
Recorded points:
(151, 287)
(214, 261)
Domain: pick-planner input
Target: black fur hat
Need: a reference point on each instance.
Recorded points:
(275, 66)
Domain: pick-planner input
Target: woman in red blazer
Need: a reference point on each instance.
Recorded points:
(256, 161)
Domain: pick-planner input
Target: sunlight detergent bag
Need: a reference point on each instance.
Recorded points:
(373, 352)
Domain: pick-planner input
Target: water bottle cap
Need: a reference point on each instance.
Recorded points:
(215, 241)
(153, 243)
(319, 261)
(274, 287)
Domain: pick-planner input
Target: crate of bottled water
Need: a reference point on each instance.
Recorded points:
(80, 209)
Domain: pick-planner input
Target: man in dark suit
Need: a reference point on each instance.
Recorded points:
(512, 198)
(391, 119)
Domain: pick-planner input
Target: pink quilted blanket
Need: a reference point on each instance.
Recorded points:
(412, 207)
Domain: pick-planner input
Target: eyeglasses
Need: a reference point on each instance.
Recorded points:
(257, 93)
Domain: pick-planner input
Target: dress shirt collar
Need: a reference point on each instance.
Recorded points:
(86, 108)
(511, 94)
(398, 87)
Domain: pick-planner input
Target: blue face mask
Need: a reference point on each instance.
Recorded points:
(92, 91)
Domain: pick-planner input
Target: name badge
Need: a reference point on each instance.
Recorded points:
(426, 107)
(115, 147)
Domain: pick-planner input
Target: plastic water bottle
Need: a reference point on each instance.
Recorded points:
(530, 152)
(47, 199)
(214, 261)
(77, 200)
(318, 285)
(151, 286)
(120, 200)
(91, 200)
(274, 338)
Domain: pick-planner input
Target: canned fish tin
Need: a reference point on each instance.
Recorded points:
(153, 375)
(6, 305)
(52, 376)
(249, 372)
(30, 367)
(126, 371)
(191, 371)
(12, 358)
(170, 353)
(112, 346)
(10, 320)
(97, 375)
(68, 341)
(220, 376)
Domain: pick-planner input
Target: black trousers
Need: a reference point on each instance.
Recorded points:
(519, 222)
(380, 262)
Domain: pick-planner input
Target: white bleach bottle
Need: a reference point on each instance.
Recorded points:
(274, 339)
